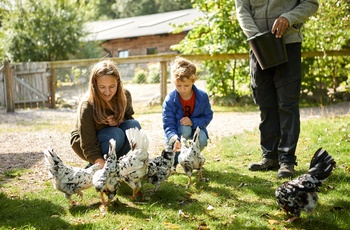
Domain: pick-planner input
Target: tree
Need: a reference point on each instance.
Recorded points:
(46, 31)
(219, 32)
(327, 30)
(132, 8)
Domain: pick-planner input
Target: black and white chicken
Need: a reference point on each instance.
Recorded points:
(300, 194)
(134, 165)
(106, 180)
(68, 179)
(190, 156)
(159, 168)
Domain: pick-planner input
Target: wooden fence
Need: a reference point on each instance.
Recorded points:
(29, 83)
(35, 84)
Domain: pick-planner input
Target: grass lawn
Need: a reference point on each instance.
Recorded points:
(232, 197)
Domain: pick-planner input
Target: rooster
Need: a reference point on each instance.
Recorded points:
(106, 180)
(67, 179)
(300, 194)
(159, 168)
(134, 165)
(190, 157)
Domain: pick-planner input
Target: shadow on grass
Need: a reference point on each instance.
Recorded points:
(11, 163)
(229, 184)
(18, 213)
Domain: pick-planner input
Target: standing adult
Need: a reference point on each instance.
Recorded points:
(276, 90)
(105, 113)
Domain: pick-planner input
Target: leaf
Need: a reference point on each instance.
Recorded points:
(272, 221)
(347, 169)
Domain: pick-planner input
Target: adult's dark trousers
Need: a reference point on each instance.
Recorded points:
(277, 93)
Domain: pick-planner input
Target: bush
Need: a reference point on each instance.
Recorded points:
(140, 76)
(154, 73)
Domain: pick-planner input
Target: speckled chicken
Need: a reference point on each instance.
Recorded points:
(159, 168)
(106, 180)
(300, 194)
(190, 156)
(134, 165)
(68, 179)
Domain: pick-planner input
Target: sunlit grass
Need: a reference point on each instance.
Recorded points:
(231, 198)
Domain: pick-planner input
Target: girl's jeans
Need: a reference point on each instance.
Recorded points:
(118, 134)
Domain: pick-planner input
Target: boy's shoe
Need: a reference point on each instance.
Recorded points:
(286, 171)
(263, 165)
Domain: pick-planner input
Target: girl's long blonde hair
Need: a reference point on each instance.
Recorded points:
(117, 104)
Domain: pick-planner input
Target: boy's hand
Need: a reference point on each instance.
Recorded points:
(186, 121)
(177, 146)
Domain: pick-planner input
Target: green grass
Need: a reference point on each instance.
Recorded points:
(232, 198)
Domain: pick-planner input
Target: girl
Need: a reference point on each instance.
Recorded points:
(105, 113)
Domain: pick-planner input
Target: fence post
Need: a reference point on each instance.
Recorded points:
(10, 101)
(52, 88)
(163, 81)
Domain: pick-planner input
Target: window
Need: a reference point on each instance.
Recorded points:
(152, 51)
(123, 53)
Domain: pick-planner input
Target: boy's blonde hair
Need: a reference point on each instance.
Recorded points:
(182, 68)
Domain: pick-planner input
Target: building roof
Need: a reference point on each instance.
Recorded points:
(146, 25)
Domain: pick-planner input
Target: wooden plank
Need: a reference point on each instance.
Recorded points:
(52, 86)
(169, 57)
(31, 88)
(163, 80)
(2, 87)
(10, 104)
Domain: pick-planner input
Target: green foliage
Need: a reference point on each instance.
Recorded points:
(219, 32)
(153, 73)
(43, 31)
(132, 8)
(88, 49)
(327, 30)
(140, 76)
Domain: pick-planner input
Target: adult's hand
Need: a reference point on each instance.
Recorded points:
(280, 26)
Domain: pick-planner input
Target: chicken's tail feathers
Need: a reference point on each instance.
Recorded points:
(196, 135)
(51, 158)
(112, 148)
(137, 139)
(321, 165)
(52, 161)
(170, 145)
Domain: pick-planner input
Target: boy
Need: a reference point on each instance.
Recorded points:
(186, 107)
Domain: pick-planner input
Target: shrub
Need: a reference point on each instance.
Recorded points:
(140, 76)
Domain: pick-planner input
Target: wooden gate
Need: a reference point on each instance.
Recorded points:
(30, 84)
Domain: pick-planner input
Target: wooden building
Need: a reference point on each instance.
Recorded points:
(142, 35)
